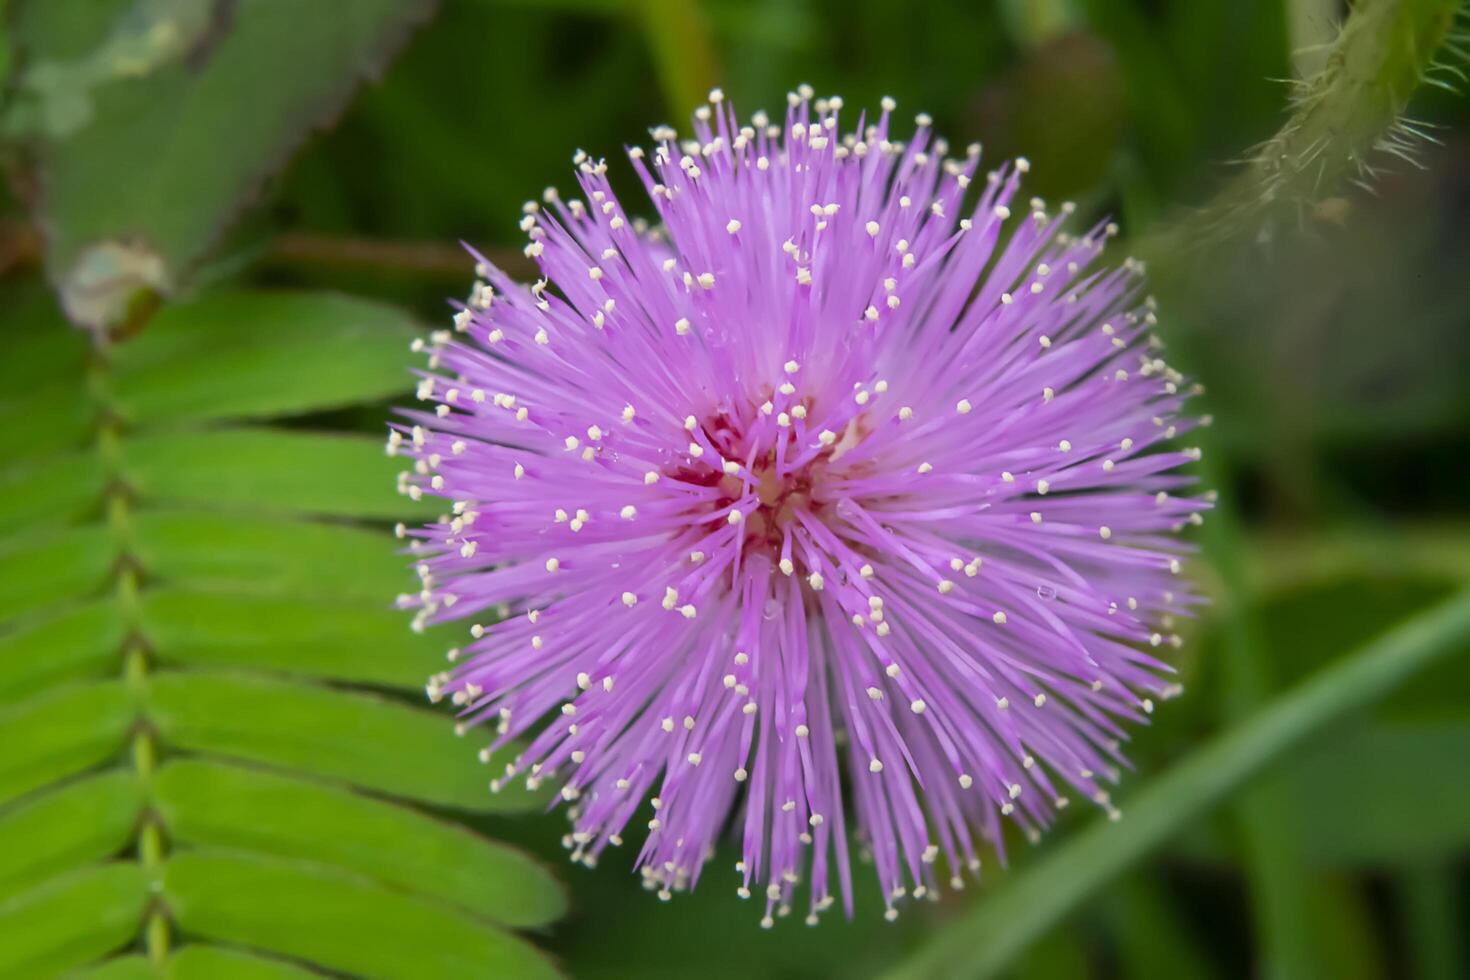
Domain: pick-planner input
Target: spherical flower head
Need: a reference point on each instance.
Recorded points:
(839, 502)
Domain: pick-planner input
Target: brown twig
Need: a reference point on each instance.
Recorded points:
(432, 259)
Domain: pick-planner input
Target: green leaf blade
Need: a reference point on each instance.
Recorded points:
(341, 921)
(269, 555)
(45, 493)
(223, 806)
(84, 821)
(78, 645)
(71, 921)
(270, 471)
(39, 571)
(339, 641)
(198, 962)
(353, 738)
(60, 733)
(236, 355)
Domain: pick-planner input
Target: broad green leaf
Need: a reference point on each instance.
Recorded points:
(59, 733)
(983, 940)
(346, 641)
(339, 920)
(223, 806)
(270, 555)
(79, 644)
(140, 148)
(48, 493)
(72, 920)
(251, 355)
(270, 471)
(360, 739)
(40, 570)
(84, 821)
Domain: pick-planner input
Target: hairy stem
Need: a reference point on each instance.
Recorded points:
(1347, 121)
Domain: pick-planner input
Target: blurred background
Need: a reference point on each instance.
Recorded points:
(172, 162)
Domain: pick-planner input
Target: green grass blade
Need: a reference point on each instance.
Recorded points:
(983, 940)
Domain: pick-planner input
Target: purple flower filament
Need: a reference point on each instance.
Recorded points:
(849, 482)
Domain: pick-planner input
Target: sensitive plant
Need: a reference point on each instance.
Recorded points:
(841, 501)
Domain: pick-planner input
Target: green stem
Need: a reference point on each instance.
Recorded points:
(152, 845)
(981, 941)
(1311, 26)
(683, 54)
(1345, 117)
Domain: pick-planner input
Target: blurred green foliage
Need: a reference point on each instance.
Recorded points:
(194, 569)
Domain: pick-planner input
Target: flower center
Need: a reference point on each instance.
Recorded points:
(781, 499)
(782, 473)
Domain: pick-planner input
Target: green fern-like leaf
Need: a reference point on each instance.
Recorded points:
(216, 762)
